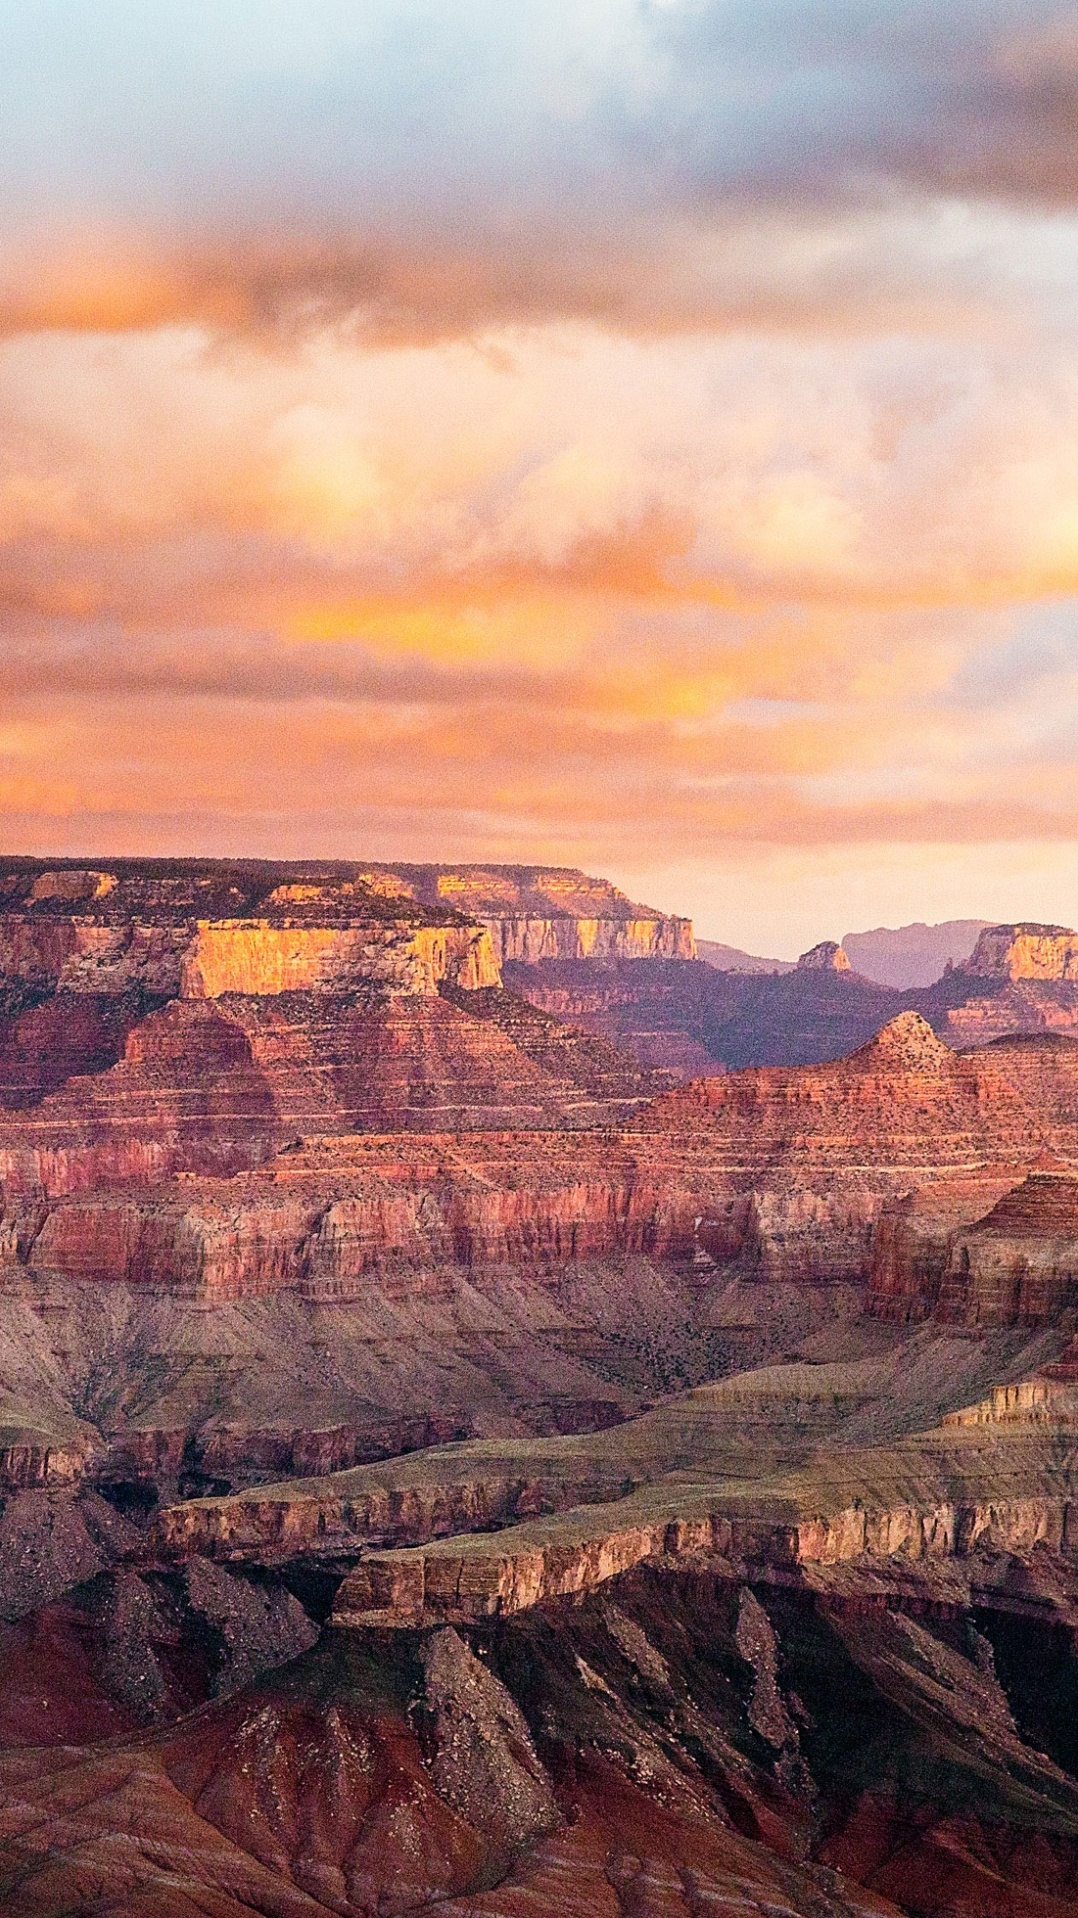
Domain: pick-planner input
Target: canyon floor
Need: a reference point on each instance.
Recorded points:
(799, 1640)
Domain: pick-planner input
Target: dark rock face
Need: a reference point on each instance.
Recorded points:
(609, 1759)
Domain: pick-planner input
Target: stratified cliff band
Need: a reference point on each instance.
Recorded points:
(498, 1414)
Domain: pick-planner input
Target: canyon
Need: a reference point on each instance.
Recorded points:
(497, 1413)
(694, 1016)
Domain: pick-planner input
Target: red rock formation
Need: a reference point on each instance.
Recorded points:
(1017, 1264)
(782, 1172)
(903, 1099)
(1024, 952)
(535, 913)
(686, 1748)
(828, 956)
(914, 1235)
(326, 1220)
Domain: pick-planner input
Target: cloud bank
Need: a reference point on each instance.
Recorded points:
(642, 433)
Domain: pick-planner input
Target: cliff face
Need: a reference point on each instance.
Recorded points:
(200, 931)
(746, 1460)
(1024, 952)
(535, 913)
(342, 999)
(1018, 1263)
(778, 1175)
(327, 1220)
(991, 1249)
(254, 958)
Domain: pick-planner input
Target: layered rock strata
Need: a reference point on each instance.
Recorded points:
(776, 1174)
(971, 1490)
(193, 929)
(991, 1250)
(751, 1427)
(195, 1015)
(538, 913)
(1024, 951)
(813, 1660)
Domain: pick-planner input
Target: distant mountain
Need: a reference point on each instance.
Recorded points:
(914, 955)
(897, 956)
(677, 1015)
(732, 959)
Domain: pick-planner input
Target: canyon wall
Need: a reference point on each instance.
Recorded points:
(536, 913)
(1024, 952)
(777, 1175)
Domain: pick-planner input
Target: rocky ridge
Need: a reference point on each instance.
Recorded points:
(803, 1671)
(1018, 979)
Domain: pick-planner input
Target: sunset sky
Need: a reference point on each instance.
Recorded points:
(638, 434)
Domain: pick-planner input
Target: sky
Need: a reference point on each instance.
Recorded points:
(635, 434)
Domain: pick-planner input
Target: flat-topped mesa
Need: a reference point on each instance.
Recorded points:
(828, 956)
(203, 929)
(1025, 951)
(537, 913)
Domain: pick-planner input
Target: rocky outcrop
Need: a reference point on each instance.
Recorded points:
(1018, 1264)
(622, 1758)
(539, 913)
(484, 1762)
(1024, 952)
(914, 1235)
(996, 1249)
(826, 957)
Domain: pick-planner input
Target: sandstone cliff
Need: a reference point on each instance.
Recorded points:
(535, 913)
(779, 1175)
(200, 929)
(1024, 952)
